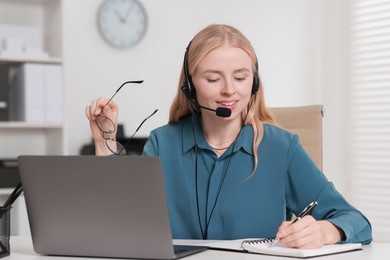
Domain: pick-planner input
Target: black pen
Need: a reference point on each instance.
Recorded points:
(306, 211)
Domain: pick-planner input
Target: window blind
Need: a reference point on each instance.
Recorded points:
(369, 113)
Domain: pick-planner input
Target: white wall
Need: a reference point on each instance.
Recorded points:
(334, 78)
(299, 46)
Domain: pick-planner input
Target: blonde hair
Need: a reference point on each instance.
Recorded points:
(208, 39)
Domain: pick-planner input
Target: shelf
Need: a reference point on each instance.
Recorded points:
(29, 60)
(25, 125)
(20, 137)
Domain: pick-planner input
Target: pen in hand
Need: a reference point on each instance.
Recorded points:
(306, 211)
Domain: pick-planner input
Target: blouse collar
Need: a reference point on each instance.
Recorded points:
(193, 135)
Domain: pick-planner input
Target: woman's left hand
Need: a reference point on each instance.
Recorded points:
(308, 233)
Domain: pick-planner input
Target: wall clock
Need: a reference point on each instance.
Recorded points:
(122, 23)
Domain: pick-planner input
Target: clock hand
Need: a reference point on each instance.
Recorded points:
(128, 11)
(121, 19)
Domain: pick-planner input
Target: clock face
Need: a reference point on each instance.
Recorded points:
(122, 23)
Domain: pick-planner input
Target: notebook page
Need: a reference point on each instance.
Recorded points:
(281, 250)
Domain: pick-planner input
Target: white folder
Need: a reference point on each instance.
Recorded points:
(36, 95)
(53, 93)
(28, 94)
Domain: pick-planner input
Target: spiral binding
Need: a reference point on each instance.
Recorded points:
(268, 240)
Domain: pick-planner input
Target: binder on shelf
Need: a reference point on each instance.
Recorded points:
(27, 94)
(53, 93)
(36, 94)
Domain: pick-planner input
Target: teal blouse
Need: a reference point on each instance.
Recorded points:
(231, 206)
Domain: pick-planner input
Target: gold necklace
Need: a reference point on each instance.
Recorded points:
(219, 149)
(212, 144)
(222, 149)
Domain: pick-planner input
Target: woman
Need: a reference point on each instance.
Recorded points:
(238, 175)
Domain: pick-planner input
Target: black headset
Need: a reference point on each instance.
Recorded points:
(189, 89)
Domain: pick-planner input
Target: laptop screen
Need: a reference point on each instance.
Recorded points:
(97, 206)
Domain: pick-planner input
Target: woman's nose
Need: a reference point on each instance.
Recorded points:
(228, 87)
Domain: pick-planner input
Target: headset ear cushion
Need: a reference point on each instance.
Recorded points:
(255, 85)
(188, 91)
(185, 90)
(187, 87)
(256, 79)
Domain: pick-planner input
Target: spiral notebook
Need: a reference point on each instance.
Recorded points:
(270, 247)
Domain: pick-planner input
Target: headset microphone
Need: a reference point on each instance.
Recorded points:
(220, 111)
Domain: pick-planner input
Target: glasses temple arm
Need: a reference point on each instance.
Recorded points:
(131, 137)
(127, 82)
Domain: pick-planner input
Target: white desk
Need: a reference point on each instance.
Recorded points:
(21, 249)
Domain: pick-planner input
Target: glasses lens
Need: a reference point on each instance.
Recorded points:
(105, 124)
(115, 147)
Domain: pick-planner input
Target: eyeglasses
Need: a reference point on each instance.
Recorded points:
(107, 126)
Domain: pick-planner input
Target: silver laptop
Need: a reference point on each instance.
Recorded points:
(110, 206)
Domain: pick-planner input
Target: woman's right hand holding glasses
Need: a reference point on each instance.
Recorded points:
(103, 117)
(102, 114)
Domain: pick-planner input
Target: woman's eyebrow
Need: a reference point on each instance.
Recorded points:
(218, 71)
(242, 70)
